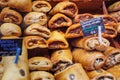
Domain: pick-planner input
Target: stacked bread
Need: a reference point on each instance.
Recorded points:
(54, 46)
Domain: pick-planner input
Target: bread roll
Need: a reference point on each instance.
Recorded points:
(91, 60)
(68, 8)
(10, 16)
(10, 29)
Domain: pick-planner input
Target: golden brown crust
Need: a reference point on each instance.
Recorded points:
(108, 20)
(91, 43)
(115, 70)
(3, 3)
(59, 20)
(57, 41)
(82, 17)
(41, 6)
(63, 55)
(10, 29)
(112, 57)
(114, 7)
(74, 31)
(100, 74)
(21, 5)
(41, 75)
(9, 15)
(35, 17)
(110, 32)
(73, 72)
(90, 60)
(40, 63)
(116, 15)
(68, 8)
(32, 42)
(38, 30)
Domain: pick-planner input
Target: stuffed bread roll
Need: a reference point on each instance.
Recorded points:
(38, 30)
(9, 15)
(91, 43)
(3, 3)
(19, 71)
(41, 75)
(116, 15)
(57, 41)
(32, 42)
(82, 17)
(108, 20)
(61, 59)
(114, 7)
(91, 60)
(10, 29)
(35, 17)
(112, 57)
(21, 5)
(100, 75)
(74, 31)
(68, 8)
(41, 6)
(40, 63)
(115, 70)
(110, 32)
(73, 72)
(59, 20)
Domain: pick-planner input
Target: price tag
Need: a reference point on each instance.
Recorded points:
(90, 27)
(9, 47)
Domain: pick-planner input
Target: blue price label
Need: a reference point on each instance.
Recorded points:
(8, 47)
(90, 27)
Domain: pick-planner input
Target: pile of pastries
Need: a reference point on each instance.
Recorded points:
(54, 46)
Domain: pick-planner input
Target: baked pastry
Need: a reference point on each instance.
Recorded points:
(118, 28)
(3, 3)
(41, 6)
(91, 60)
(110, 32)
(38, 30)
(19, 71)
(108, 20)
(116, 15)
(75, 30)
(32, 42)
(73, 72)
(40, 63)
(35, 17)
(115, 70)
(112, 57)
(57, 41)
(41, 75)
(91, 43)
(100, 75)
(59, 20)
(82, 17)
(11, 16)
(61, 59)
(21, 5)
(10, 29)
(114, 7)
(68, 8)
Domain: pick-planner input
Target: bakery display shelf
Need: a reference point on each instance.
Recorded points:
(65, 57)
